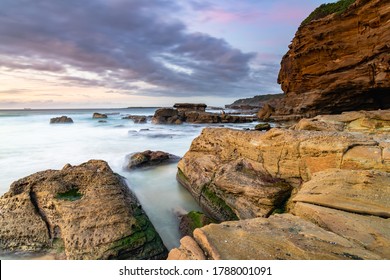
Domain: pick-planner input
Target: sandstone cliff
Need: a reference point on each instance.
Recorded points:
(79, 212)
(339, 63)
(331, 184)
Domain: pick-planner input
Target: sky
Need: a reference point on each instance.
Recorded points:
(122, 53)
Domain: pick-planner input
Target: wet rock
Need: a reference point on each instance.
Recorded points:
(63, 119)
(79, 212)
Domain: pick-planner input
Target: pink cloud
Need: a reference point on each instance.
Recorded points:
(224, 16)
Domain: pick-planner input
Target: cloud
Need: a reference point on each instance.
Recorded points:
(121, 44)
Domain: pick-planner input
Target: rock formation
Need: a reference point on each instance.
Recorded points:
(99, 116)
(190, 107)
(79, 212)
(136, 119)
(255, 102)
(150, 158)
(338, 63)
(331, 184)
(63, 119)
(194, 114)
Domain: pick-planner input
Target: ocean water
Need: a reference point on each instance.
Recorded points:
(28, 144)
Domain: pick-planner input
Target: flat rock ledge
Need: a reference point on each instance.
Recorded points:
(299, 193)
(79, 212)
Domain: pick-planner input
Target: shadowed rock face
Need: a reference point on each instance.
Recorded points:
(79, 212)
(339, 63)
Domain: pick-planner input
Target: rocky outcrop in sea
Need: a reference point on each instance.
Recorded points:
(194, 113)
(319, 190)
(79, 212)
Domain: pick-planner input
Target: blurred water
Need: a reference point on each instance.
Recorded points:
(28, 144)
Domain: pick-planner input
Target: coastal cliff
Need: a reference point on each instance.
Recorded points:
(301, 193)
(337, 63)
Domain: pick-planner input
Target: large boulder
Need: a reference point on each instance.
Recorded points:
(79, 212)
(339, 62)
(166, 116)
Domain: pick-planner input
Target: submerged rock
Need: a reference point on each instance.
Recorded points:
(62, 119)
(79, 212)
(150, 158)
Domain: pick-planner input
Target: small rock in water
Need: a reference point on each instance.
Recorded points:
(63, 119)
(150, 158)
(99, 116)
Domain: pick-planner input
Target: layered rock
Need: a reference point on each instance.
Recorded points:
(79, 212)
(280, 237)
(335, 189)
(377, 122)
(338, 63)
(150, 158)
(62, 119)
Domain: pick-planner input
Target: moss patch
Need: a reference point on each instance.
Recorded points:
(181, 177)
(70, 195)
(327, 9)
(219, 204)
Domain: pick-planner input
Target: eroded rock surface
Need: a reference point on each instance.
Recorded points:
(79, 212)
